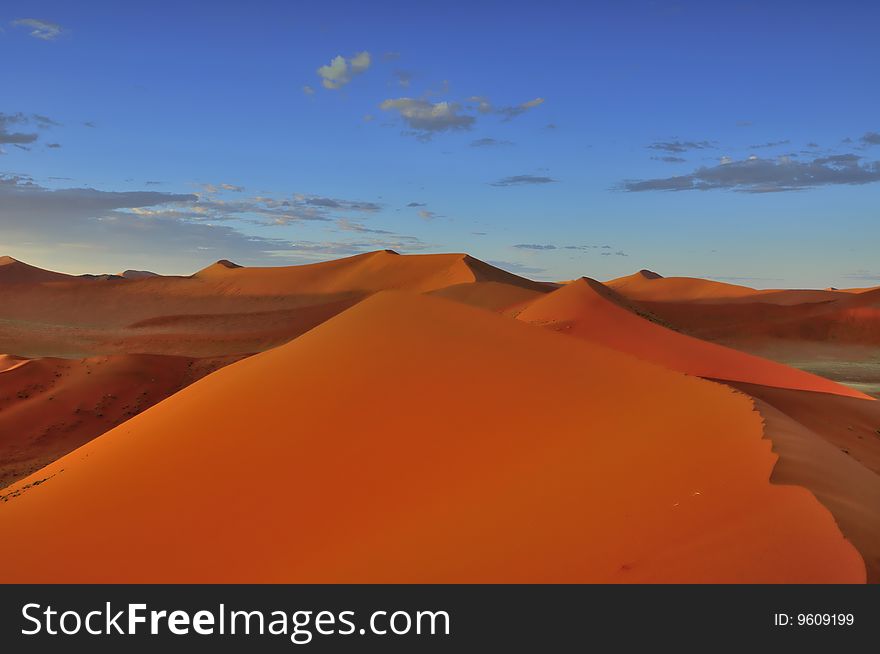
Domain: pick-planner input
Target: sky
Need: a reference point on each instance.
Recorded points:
(737, 141)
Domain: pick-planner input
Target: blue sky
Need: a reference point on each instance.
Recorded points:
(737, 140)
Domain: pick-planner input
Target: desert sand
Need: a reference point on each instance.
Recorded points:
(49, 407)
(425, 418)
(439, 468)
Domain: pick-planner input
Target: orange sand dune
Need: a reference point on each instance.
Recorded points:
(495, 296)
(49, 407)
(8, 362)
(375, 271)
(412, 439)
(16, 272)
(649, 286)
(852, 318)
(222, 309)
(830, 445)
(588, 310)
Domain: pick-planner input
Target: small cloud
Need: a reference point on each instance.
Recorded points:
(44, 122)
(152, 183)
(216, 188)
(424, 214)
(391, 56)
(550, 126)
(89, 124)
(479, 233)
(533, 246)
(340, 71)
(369, 118)
(344, 205)
(53, 145)
(523, 180)
(677, 147)
(871, 138)
(348, 226)
(40, 29)
(812, 144)
(308, 90)
(417, 204)
(770, 144)
(484, 106)
(512, 112)
(10, 137)
(489, 142)
(427, 118)
(669, 159)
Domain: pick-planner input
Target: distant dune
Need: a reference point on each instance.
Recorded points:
(222, 309)
(498, 452)
(588, 310)
(13, 271)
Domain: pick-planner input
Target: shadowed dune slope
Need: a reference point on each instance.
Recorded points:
(13, 271)
(49, 407)
(356, 454)
(830, 445)
(588, 310)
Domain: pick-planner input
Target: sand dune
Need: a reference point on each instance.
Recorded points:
(49, 407)
(650, 287)
(495, 296)
(13, 271)
(588, 310)
(410, 438)
(222, 309)
(830, 445)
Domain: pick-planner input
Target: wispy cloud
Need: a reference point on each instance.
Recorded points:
(40, 29)
(489, 143)
(523, 180)
(769, 144)
(871, 138)
(677, 147)
(340, 71)
(534, 246)
(484, 106)
(757, 175)
(670, 159)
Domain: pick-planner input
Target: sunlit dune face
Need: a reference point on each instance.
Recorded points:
(411, 439)
(587, 310)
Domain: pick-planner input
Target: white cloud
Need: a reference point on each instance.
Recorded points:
(340, 70)
(428, 117)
